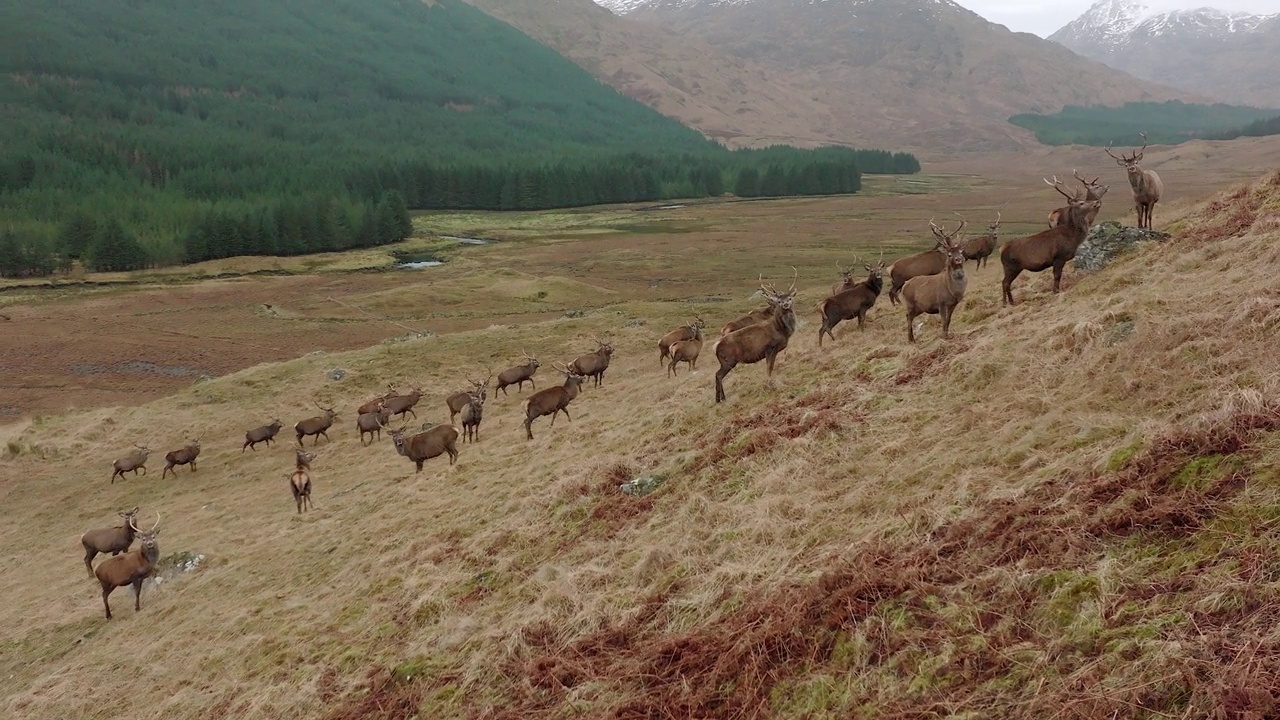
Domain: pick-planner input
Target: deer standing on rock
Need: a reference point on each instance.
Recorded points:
(938, 294)
(762, 341)
(1146, 184)
(1050, 248)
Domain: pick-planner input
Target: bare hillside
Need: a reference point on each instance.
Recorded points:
(1067, 509)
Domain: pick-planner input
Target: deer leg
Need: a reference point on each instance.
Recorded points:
(528, 428)
(720, 374)
(768, 362)
(945, 312)
(89, 555)
(137, 594)
(1007, 287)
(1057, 274)
(553, 418)
(566, 414)
(911, 331)
(105, 603)
(193, 465)
(419, 464)
(862, 321)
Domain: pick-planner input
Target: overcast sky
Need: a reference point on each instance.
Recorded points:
(1042, 17)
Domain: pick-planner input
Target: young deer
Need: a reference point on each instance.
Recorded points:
(938, 294)
(686, 351)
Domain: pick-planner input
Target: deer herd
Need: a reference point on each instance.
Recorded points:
(932, 282)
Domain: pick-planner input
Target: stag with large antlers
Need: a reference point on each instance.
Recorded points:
(853, 302)
(316, 426)
(593, 364)
(133, 462)
(1050, 248)
(1146, 184)
(1059, 215)
(183, 456)
(460, 400)
(979, 249)
(762, 341)
(938, 294)
(927, 262)
(518, 375)
(130, 568)
(680, 334)
(401, 404)
(552, 401)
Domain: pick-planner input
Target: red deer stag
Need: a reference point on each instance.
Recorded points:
(762, 341)
(133, 462)
(183, 456)
(422, 447)
(684, 332)
(300, 479)
(114, 540)
(401, 404)
(686, 351)
(518, 375)
(593, 364)
(552, 401)
(316, 426)
(371, 423)
(1049, 248)
(265, 434)
(460, 400)
(928, 262)
(1059, 216)
(472, 414)
(375, 404)
(1146, 184)
(979, 249)
(853, 302)
(938, 294)
(130, 568)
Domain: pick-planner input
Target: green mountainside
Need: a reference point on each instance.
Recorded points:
(163, 132)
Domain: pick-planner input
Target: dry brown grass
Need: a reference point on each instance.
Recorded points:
(1068, 509)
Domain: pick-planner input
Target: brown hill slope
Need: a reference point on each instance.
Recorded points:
(920, 74)
(1067, 509)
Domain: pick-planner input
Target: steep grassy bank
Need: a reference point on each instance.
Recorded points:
(1067, 508)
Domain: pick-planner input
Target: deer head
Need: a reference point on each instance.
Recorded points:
(950, 244)
(1130, 161)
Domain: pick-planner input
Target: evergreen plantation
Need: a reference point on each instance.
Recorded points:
(163, 132)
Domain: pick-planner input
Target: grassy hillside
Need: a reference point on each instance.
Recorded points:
(1167, 123)
(238, 127)
(961, 527)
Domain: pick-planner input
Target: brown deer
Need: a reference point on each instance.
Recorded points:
(316, 426)
(1146, 184)
(938, 294)
(848, 278)
(1049, 248)
(375, 404)
(1059, 215)
(300, 479)
(371, 423)
(472, 414)
(762, 341)
(593, 364)
(426, 445)
(114, 540)
(684, 332)
(758, 315)
(552, 401)
(686, 351)
(183, 456)
(131, 568)
(460, 400)
(853, 302)
(133, 462)
(518, 375)
(265, 434)
(929, 262)
(401, 404)
(979, 249)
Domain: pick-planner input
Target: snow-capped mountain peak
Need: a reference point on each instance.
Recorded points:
(1111, 24)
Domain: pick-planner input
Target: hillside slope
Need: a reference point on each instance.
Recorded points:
(964, 526)
(918, 73)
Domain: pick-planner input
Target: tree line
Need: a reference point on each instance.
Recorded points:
(1167, 123)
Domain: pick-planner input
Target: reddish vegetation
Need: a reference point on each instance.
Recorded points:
(775, 422)
(934, 362)
(1226, 664)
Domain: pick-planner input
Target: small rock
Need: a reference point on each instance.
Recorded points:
(1110, 240)
(640, 486)
(637, 322)
(575, 313)
(337, 374)
(204, 379)
(314, 353)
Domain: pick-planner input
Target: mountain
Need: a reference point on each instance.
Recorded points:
(231, 127)
(1228, 56)
(921, 74)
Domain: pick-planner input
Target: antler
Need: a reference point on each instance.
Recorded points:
(559, 368)
(795, 275)
(1119, 160)
(1089, 183)
(1139, 153)
(1057, 185)
(140, 447)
